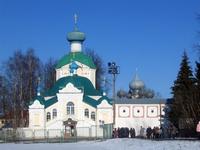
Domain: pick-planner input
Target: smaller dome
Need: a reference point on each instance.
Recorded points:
(136, 83)
(121, 93)
(76, 36)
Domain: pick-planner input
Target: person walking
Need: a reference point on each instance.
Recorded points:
(198, 130)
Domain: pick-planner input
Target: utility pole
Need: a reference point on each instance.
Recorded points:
(114, 70)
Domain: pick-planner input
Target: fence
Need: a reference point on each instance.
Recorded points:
(56, 135)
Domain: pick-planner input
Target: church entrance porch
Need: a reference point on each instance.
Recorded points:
(70, 128)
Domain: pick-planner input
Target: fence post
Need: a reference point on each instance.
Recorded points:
(76, 135)
(90, 133)
(61, 136)
(47, 135)
(33, 135)
(4, 136)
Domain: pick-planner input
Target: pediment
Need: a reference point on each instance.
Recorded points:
(36, 104)
(104, 104)
(70, 88)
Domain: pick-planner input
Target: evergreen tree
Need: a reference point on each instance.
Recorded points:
(197, 93)
(182, 90)
(197, 75)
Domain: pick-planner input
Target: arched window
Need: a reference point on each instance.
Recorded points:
(54, 113)
(48, 116)
(93, 116)
(86, 113)
(70, 108)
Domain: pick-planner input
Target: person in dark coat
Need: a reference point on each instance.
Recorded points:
(115, 133)
(148, 132)
(132, 133)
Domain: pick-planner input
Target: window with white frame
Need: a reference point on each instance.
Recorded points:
(93, 116)
(87, 113)
(54, 113)
(70, 108)
(48, 116)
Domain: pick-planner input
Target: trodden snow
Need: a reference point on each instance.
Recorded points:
(113, 144)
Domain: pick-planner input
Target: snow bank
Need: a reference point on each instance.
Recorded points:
(113, 144)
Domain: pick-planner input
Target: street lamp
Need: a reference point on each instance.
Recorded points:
(114, 70)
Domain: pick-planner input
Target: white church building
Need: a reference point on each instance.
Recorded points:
(73, 102)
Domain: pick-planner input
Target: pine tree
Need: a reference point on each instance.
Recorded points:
(182, 90)
(197, 75)
(197, 93)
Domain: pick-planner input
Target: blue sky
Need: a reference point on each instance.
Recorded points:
(150, 35)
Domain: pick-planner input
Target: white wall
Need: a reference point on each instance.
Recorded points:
(36, 115)
(137, 115)
(103, 112)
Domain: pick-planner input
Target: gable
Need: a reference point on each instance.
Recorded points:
(70, 88)
(76, 56)
(79, 82)
(104, 104)
(36, 104)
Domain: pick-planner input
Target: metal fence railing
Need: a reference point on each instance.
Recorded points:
(55, 135)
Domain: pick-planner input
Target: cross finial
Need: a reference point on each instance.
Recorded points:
(39, 87)
(75, 19)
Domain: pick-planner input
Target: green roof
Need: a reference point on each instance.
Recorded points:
(39, 98)
(88, 100)
(51, 101)
(46, 103)
(76, 56)
(79, 82)
(94, 103)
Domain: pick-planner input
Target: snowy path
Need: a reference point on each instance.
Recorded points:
(113, 144)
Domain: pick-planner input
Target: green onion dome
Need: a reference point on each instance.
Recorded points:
(76, 36)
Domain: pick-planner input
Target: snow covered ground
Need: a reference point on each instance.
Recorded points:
(113, 144)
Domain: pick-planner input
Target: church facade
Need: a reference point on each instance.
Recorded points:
(73, 102)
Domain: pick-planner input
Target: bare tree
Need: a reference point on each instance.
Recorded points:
(101, 71)
(22, 70)
(4, 95)
(49, 75)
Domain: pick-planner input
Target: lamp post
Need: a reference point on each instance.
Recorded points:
(114, 70)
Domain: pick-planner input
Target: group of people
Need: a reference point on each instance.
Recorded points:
(149, 133)
(123, 132)
(156, 132)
